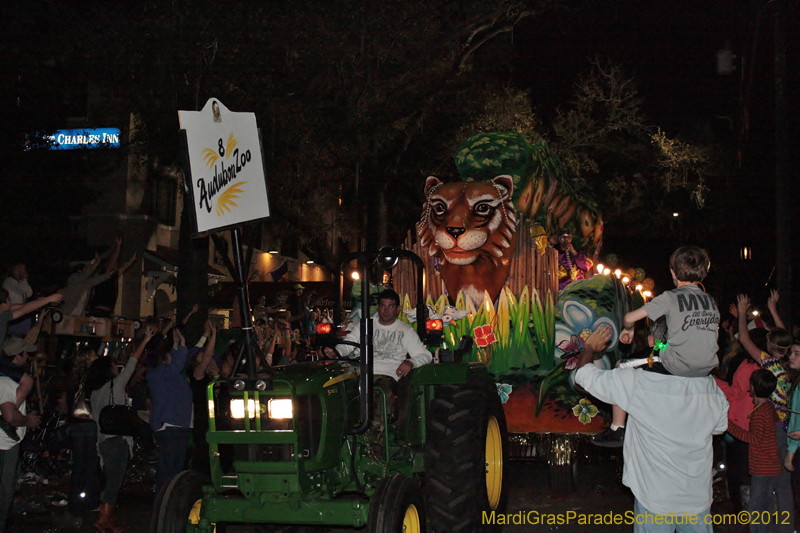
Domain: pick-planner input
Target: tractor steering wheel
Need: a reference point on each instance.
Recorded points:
(336, 353)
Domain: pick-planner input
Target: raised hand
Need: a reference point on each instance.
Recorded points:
(773, 298)
(742, 304)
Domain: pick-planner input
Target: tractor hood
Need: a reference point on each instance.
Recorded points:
(315, 376)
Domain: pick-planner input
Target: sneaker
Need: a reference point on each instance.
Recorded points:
(9, 430)
(610, 438)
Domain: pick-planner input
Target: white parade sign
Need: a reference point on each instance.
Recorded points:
(228, 182)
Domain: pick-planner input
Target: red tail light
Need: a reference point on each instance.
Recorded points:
(434, 324)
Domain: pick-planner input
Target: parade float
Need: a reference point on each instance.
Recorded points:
(492, 274)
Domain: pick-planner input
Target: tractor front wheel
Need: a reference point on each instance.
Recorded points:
(397, 507)
(178, 503)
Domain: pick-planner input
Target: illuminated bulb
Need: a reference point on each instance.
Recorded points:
(309, 262)
(647, 294)
(675, 215)
(355, 276)
(606, 271)
(600, 268)
(639, 287)
(618, 273)
(755, 312)
(626, 279)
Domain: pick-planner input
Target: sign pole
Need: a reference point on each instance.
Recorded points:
(244, 301)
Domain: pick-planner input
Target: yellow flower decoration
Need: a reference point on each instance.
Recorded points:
(232, 142)
(226, 199)
(210, 157)
(585, 411)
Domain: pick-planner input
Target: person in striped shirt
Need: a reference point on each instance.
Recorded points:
(765, 463)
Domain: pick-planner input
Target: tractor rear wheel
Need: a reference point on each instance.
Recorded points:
(466, 456)
(178, 503)
(397, 507)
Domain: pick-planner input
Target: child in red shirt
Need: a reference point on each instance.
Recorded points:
(765, 463)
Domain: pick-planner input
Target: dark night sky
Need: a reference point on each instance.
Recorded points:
(670, 47)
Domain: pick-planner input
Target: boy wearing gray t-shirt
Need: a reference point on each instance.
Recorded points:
(692, 316)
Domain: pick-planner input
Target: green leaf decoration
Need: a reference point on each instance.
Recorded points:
(557, 376)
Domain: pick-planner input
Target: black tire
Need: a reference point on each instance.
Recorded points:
(397, 507)
(466, 457)
(175, 501)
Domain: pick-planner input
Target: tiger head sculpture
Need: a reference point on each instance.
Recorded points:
(470, 227)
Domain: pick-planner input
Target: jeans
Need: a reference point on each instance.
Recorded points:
(172, 442)
(783, 490)
(8, 474)
(84, 491)
(761, 489)
(114, 451)
(679, 522)
(795, 475)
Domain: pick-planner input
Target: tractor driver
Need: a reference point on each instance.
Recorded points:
(397, 348)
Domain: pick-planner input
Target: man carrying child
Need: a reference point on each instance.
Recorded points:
(690, 349)
(667, 467)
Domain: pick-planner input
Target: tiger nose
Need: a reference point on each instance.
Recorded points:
(456, 232)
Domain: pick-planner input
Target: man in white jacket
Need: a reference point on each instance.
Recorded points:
(397, 347)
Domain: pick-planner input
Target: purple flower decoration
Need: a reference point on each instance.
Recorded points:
(571, 350)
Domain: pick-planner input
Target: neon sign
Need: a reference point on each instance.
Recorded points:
(84, 139)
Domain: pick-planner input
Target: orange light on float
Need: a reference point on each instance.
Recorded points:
(434, 324)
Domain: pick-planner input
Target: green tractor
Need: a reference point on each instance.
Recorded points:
(299, 446)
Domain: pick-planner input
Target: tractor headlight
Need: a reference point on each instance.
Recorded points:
(237, 408)
(280, 408)
(277, 408)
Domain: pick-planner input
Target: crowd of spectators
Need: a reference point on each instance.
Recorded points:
(763, 426)
(166, 380)
(156, 372)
